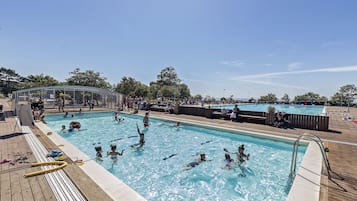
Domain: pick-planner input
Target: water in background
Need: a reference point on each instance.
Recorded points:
(290, 109)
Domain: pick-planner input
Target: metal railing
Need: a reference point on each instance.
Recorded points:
(323, 151)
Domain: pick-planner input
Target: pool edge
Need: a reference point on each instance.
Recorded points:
(307, 180)
(306, 185)
(114, 187)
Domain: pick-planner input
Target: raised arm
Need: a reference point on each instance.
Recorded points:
(137, 127)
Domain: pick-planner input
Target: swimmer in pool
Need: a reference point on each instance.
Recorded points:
(113, 153)
(117, 117)
(146, 119)
(229, 161)
(141, 138)
(98, 155)
(198, 161)
(63, 128)
(241, 156)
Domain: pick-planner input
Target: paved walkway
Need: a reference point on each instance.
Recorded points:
(342, 142)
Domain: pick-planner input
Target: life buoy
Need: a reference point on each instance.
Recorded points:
(75, 124)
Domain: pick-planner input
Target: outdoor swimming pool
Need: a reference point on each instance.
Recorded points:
(290, 109)
(266, 173)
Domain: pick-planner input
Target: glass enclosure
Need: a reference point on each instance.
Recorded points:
(68, 96)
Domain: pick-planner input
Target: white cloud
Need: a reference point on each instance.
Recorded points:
(269, 83)
(294, 66)
(237, 63)
(265, 79)
(268, 64)
(277, 74)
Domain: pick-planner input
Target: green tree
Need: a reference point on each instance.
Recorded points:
(141, 90)
(168, 76)
(349, 93)
(9, 80)
(198, 97)
(345, 96)
(169, 85)
(310, 97)
(337, 99)
(154, 90)
(270, 98)
(129, 86)
(184, 91)
(39, 81)
(169, 91)
(251, 100)
(285, 98)
(87, 78)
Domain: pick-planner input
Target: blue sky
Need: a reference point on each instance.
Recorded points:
(244, 48)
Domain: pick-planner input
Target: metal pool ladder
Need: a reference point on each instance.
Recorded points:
(323, 152)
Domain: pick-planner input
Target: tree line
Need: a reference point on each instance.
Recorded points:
(167, 85)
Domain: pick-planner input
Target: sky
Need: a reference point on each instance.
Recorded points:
(244, 48)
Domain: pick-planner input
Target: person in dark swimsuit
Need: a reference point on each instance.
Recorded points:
(146, 119)
(241, 155)
(195, 163)
(141, 138)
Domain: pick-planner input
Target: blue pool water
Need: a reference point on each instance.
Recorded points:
(291, 109)
(266, 173)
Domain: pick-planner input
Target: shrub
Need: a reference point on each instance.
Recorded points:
(271, 109)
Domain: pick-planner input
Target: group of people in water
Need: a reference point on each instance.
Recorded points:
(113, 153)
(241, 158)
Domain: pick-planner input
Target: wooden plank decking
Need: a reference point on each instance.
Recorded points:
(14, 186)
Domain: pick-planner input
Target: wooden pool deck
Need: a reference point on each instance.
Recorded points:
(342, 142)
(16, 157)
